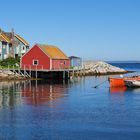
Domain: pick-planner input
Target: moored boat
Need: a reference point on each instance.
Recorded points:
(132, 83)
(120, 82)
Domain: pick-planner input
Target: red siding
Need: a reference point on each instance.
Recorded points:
(35, 54)
(60, 64)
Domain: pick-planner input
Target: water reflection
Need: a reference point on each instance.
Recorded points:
(39, 92)
(34, 92)
(117, 89)
(9, 94)
(51, 110)
(134, 90)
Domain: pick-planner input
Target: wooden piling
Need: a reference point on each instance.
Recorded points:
(64, 75)
(24, 71)
(36, 73)
(68, 75)
(30, 71)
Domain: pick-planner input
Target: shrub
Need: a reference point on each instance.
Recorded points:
(10, 61)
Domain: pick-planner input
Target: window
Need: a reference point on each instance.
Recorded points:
(64, 62)
(35, 62)
(16, 55)
(4, 46)
(27, 47)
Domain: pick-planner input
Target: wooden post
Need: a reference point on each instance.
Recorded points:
(68, 75)
(36, 72)
(24, 71)
(73, 73)
(19, 70)
(64, 75)
(36, 85)
(30, 85)
(30, 72)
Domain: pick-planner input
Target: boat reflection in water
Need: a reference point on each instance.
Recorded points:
(114, 90)
(34, 92)
(135, 90)
(117, 89)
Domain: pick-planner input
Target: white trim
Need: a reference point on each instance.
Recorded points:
(33, 62)
(36, 45)
(4, 38)
(21, 40)
(50, 64)
(29, 50)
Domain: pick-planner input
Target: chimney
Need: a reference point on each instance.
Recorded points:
(12, 41)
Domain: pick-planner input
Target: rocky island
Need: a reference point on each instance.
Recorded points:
(101, 68)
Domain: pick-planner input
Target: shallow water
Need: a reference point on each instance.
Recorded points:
(41, 110)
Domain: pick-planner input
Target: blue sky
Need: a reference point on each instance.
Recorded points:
(92, 29)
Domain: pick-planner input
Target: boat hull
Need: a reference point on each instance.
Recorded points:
(120, 82)
(132, 83)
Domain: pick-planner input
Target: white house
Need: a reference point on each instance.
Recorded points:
(12, 45)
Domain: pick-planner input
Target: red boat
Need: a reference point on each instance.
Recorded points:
(119, 82)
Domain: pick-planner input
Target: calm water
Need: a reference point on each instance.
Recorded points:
(38, 110)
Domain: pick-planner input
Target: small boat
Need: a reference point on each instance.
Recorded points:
(120, 82)
(132, 83)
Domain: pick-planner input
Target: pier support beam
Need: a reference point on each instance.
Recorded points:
(64, 75)
(68, 75)
(36, 73)
(73, 74)
(30, 72)
(24, 71)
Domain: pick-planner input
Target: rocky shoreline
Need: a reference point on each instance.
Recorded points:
(100, 68)
(8, 75)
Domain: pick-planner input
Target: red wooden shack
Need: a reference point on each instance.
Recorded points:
(45, 57)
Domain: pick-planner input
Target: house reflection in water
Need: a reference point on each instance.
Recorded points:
(39, 92)
(9, 93)
(13, 93)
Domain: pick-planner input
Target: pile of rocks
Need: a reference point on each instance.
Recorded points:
(8, 75)
(100, 68)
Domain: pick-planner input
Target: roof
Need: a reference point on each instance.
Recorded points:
(7, 37)
(22, 40)
(74, 57)
(8, 34)
(3, 37)
(52, 51)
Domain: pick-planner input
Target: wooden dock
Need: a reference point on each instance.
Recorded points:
(46, 74)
